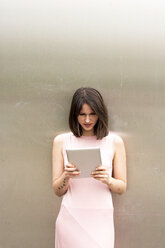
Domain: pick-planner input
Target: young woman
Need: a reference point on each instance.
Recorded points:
(86, 214)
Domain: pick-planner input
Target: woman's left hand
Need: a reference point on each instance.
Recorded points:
(102, 174)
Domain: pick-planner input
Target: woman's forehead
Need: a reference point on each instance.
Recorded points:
(86, 108)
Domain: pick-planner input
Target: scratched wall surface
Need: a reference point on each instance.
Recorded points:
(50, 48)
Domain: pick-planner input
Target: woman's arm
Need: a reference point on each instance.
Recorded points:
(59, 182)
(117, 183)
(60, 177)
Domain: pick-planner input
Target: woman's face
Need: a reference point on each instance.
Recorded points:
(87, 119)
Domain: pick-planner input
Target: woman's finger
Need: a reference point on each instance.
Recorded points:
(101, 167)
(70, 169)
(70, 166)
(74, 174)
(100, 172)
(101, 176)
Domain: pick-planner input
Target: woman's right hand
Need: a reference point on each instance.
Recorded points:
(71, 171)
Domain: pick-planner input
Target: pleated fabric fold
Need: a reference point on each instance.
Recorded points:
(83, 228)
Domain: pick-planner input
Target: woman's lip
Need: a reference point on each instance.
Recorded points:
(87, 125)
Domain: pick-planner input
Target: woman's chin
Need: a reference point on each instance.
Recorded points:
(88, 131)
(88, 126)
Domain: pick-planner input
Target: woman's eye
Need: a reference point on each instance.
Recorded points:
(91, 114)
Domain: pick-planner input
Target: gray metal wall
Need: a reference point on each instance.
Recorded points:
(50, 48)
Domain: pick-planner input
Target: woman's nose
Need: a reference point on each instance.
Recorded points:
(87, 119)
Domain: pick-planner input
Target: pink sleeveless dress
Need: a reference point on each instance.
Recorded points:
(85, 219)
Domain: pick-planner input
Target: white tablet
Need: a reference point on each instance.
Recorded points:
(85, 159)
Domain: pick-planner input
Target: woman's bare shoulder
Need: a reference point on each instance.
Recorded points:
(58, 139)
(118, 140)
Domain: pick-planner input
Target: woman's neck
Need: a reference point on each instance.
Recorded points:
(88, 134)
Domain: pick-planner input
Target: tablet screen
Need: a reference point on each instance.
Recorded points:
(85, 159)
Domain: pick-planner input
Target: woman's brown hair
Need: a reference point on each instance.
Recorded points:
(93, 98)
